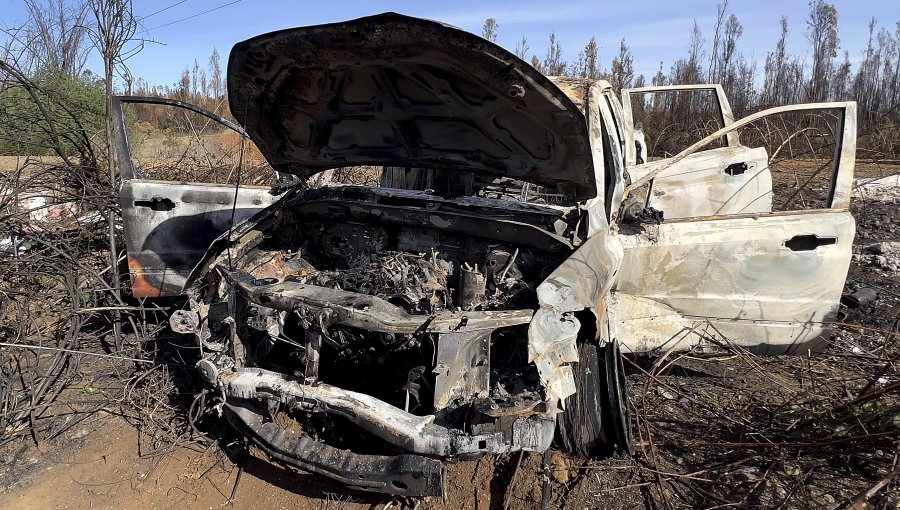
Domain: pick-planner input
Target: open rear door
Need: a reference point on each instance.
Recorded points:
(724, 178)
(770, 282)
(180, 188)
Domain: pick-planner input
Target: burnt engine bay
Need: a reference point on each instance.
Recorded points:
(391, 294)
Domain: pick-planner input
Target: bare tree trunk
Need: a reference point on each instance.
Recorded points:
(823, 36)
(116, 27)
(522, 48)
(717, 36)
(111, 158)
(56, 35)
(489, 31)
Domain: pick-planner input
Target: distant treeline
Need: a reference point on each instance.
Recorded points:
(52, 45)
(825, 73)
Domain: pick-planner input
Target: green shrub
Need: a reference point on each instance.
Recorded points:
(75, 105)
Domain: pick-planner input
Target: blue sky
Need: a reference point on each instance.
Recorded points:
(656, 30)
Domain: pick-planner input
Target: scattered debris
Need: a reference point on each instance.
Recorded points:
(879, 189)
(861, 297)
(884, 255)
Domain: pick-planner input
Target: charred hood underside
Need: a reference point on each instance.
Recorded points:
(400, 91)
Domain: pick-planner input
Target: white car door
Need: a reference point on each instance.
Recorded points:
(728, 179)
(768, 281)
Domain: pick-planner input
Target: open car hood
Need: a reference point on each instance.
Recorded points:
(399, 91)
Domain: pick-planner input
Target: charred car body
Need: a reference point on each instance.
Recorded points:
(475, 301)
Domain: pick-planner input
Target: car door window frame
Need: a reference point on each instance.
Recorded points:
(165, 217)
(844, 156)
(123, 145)
(725, 115)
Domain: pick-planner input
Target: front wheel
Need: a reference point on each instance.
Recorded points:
(596, 421)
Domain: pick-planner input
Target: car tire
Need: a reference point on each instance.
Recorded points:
(596, 420)
(618, 406)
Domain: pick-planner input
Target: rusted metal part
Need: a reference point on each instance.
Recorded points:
(404, 475)
(140, 286)
(364, 311)
(725, 115)
(575, 88)
(184, 321)
(418, 434)
(463, 368)
(472, 286)
(313, 356)
(392, 90)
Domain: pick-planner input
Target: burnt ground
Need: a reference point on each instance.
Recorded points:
(737, 430)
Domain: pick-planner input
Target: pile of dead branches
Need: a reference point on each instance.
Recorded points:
(71, 343)
(746, 431)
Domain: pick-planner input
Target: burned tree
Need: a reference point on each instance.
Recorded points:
(489, 31)
(522, 48)
(822, 34)
(217, 86)
(115, 28)
(622, 72)
(55, 35)
(553, 64)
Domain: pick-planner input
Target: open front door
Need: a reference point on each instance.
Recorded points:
(180, 170)
(769, 282)
(724, 178)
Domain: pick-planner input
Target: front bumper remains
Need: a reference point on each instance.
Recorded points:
(503, 430)
(404, 475)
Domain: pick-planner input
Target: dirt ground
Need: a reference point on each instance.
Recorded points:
(99, 464)
(100, 467)
(9, 164)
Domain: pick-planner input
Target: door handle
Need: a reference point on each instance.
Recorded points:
(808, 242)
(156, 204)
(736, 168)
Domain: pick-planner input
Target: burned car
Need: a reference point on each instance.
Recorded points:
(507, 236)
